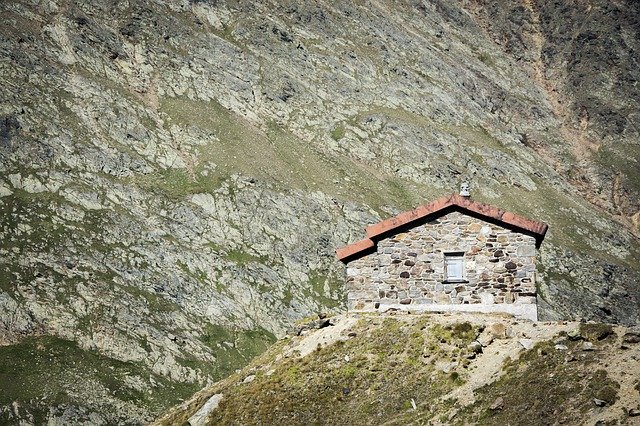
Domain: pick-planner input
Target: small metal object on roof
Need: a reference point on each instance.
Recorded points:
(464, 189)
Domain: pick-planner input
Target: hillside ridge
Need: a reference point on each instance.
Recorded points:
(431, 369)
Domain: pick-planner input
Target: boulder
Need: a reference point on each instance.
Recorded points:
(498, 404)
(200, 418)
(587, 346)
(526, 343)
(631, 337)
(475, 347)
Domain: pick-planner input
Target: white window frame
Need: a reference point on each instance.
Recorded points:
(454, 267)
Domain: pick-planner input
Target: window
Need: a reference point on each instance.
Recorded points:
(454, 267)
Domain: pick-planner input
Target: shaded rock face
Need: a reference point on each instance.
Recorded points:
(583, 56)
(174, 176)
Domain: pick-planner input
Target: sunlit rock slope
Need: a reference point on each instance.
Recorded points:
(175, 175)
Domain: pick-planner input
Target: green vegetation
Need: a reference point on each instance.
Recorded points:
(44, 371)
(474, 136)
(35, 210)
(83, 121)
(155, 302)
(235, 145)
(287, 297)
(617, 161)
(375, 374)
(338, 133)
(197, 275)
(242, 257)
(542, 384)
(487, 59)
(232, 348)
(9, 275)
(317, 283)
(391, 369)
(226, 33)
(178, 183)
(596, 332)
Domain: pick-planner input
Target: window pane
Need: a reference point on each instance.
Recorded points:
(454, 268)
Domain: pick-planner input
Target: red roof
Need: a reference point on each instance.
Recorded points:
(437, 208)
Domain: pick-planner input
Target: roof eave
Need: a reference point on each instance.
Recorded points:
(485, 211)
(348, 253)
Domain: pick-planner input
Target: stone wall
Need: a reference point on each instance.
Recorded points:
(407, 270)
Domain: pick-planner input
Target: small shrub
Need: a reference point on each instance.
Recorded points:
(596, 332)
(338, 133)
(487, 59)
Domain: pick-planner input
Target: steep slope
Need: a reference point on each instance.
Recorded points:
(176, 175)
(583, 55)
(433, 369)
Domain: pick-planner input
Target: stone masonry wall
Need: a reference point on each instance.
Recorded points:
(407, 270)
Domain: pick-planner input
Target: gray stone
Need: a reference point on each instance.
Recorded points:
(475, 347)
(485, 338)
(587, 346)
(526, 343)
(200, 418)
(525, 251)
(599, 402)
(574, 334)
(498, 330)
(497, 404)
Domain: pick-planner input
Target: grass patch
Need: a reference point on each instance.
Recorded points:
(241, 257)
(178, 183)
(197, 275)
(596, 332)
(317, 282)
(374, 375)
(611, 157)
(543, 384)
(338, 133)
(155, 302)
(44, 371)
(233, 348)
(276, 155)
(487, 59)
(36, 210)
(10, 276)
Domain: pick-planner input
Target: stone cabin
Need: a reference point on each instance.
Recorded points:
(453, 254)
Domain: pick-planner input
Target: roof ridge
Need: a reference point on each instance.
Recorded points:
(486, 211)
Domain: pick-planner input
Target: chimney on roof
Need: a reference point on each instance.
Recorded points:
(464, 190)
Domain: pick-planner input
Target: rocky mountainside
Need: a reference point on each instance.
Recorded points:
(431, 369)
(175, 175)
